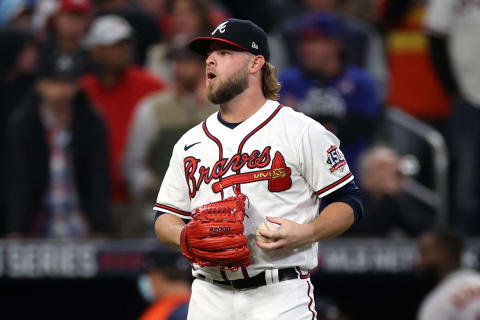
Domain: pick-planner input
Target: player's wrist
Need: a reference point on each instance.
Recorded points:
(168, 229)
(309, 232)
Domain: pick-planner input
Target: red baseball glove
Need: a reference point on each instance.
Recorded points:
(214, 237)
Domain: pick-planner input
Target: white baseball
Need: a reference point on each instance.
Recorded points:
(265, 226)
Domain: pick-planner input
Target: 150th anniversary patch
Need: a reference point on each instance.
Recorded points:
(335, 159)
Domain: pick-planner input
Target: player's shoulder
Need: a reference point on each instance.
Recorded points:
(300, 126)
(456, 281)
(465, 276)
(452, 288)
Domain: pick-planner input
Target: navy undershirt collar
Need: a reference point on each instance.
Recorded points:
(227, 124)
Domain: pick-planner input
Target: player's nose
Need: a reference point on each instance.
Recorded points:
(210, 61)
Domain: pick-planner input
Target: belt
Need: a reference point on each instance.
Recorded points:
(258, 280)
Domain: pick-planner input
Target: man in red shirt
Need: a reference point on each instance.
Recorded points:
(115, 88)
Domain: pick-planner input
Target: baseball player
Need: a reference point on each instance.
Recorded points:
(457, 294)
(255, 162)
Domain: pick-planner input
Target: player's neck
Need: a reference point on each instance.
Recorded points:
(242, 106)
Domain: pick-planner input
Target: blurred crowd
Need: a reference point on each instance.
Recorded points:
(95, 93)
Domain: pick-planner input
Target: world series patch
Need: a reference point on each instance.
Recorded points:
(335, 159)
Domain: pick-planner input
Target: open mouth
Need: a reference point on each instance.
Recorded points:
(211, 75)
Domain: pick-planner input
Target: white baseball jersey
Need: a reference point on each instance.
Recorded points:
(457, 297)
(460, 21)
(282, 160)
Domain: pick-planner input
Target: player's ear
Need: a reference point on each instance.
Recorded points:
(256, 64)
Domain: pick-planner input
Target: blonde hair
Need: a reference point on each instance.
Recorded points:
(270, 84)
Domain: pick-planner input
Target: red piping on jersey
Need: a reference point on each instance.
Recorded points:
(162, 206)
(264, 123)
(336, 183)
(220, 151)
(301, 275)
(219, 144)
(311, 300)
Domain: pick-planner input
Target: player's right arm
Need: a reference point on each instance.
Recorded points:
(173, 202)
(168, 228)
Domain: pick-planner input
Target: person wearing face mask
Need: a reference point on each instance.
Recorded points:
(165, 284)
(456, 295)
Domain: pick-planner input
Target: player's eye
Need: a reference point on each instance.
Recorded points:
(224, 52)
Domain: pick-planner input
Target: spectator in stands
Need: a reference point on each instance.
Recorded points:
(160, 121)
(144, 25)
(116, 88)
(186, 18)
(457, 292)
(157, 9)
(383, 192)
(166, 285)
(70, 24)
(454, 46)
(326, 87)
(16, 14)
(365, 47)
(18, 57)
(57, 160)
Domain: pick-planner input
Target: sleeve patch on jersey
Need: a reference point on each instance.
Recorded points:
(171, 209)
(335, 159)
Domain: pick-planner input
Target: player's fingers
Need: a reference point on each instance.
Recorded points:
(269, 234)
(276, 220)
(270, 245)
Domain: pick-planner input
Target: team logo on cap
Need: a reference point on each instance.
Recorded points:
(221, 27)
(254, 45)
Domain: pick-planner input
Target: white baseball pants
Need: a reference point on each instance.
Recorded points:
(286, 300)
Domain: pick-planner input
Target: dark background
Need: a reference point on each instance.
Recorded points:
(362, 296)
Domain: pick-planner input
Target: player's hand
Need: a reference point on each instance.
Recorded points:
(289, 235)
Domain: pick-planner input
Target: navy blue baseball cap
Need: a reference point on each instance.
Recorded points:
(243, 34)
(59, 67)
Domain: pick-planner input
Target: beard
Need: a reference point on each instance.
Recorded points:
(228, 89)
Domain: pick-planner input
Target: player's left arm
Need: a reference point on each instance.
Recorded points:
(344, 207)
